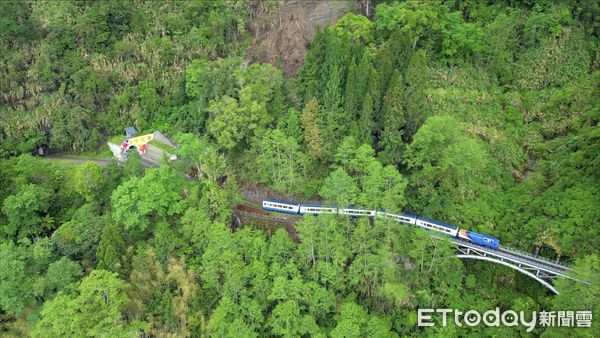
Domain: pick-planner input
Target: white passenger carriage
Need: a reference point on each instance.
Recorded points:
(404, 218)
(317, 209)
(281, 206)
(443, 228)
(357, 212)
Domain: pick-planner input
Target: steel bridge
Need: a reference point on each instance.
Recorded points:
(541, 269)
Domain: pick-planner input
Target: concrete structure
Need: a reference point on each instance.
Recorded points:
(150, 153)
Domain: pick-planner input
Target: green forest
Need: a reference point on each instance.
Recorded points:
(481, 114)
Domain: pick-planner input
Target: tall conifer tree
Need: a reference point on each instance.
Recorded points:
(416, 100)
(366, 120)
(311, 130)
(394, 120)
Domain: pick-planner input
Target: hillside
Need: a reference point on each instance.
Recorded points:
(479, 116)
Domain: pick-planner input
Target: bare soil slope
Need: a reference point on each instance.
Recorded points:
(283, 31)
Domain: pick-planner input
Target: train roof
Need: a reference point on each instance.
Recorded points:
(356, 208)
(317, 206)
(409, 215)
(280, 202)
(446, 225)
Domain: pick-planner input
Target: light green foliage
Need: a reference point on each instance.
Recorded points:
(25, 211)
(574, 295)
(449, 170)
(94, 309)
(355, 322)
(577, 296)
(227, 128)
(225, 322)
(292, 125)
(15, 291)
(379, 186)
(461, 40)
(87, 181)
(557, 198)
(206, 80)
(30, 273)
(279, 162)
(309, 301)
(397, 293)
(234, 121)
(286, 321)
(133, 166)
(157, 196)
(355, 27)
(413, 17)
(323, 250)
(339, 189)
(203, 155)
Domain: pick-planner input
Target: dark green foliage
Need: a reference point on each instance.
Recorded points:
(390, 139)
(16, 25)
(79, 72)
(416, 107)
(78, 238)
(111, 249)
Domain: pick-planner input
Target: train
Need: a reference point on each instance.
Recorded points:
(425, 223)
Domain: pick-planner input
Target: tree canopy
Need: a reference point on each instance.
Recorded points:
(479, 114)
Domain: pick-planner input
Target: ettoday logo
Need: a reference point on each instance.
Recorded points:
(506, 318)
